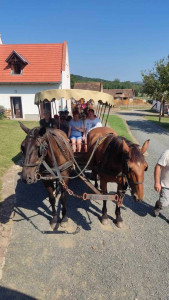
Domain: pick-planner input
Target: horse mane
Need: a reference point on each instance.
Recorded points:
(116, 145)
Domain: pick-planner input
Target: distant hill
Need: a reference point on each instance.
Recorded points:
(107, 84)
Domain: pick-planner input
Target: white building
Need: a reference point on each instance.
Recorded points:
(29, 68)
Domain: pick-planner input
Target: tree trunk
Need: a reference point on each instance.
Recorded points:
(161, 106)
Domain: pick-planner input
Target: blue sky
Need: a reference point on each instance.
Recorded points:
(106, 39)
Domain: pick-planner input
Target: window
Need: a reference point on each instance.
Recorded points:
(16, 63)
(16, 68)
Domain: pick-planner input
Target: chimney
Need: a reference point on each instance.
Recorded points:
(0, 40)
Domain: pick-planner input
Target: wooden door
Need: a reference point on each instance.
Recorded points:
(16, 107)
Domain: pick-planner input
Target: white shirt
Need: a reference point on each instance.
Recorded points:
(164, 162)
(90, 124)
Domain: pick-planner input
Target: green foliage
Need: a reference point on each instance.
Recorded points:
(2, 112)
(115, 84)
(156, 81)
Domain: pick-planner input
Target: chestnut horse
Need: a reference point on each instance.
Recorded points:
(119, 160)
(46, 155)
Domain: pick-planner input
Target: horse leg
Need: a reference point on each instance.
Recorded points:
(50, 188)
(64, 211)
(119, 220)
(104, 218)
(94, 175)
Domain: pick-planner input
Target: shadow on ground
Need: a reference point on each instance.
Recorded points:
(31, 202)
(142, 209)
(144, 125)
(8, 294)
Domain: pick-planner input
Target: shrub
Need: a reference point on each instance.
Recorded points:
(2, 112)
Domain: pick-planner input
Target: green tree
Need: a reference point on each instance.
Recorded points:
(156, 82)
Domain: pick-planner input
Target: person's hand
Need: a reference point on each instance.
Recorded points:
(157, 187)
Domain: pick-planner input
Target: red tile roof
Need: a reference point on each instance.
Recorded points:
(93, 86)
(120, 92)
(46, 62)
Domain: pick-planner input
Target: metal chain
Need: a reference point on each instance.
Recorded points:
(69, 191)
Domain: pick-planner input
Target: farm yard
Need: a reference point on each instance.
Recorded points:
(88, 260)
(84, 152)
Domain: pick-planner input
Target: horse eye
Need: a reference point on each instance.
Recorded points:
(146, 168)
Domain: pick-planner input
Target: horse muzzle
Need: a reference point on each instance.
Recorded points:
(28, 178)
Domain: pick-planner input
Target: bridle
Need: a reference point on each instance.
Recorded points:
(43, 148)
(125, 173)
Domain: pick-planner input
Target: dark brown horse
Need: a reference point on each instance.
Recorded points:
(117, 160)
(47, 156)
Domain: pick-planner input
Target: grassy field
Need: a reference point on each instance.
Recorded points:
(130, 107)
(119, 125)
(11, 136)
(155, 119)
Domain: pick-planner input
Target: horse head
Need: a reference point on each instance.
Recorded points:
(34, 149)
(134, 168)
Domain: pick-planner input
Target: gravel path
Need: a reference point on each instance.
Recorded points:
(90, 261)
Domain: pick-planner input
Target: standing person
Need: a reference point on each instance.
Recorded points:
(91, 122)
(76, 128)
(161, 182)
(48, 122)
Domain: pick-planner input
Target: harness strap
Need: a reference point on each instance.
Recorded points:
(53, 171)
(55, 164)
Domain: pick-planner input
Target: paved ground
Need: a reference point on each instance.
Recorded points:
(90, 261)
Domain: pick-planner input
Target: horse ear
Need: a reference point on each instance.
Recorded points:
(145, 146)
(24, 128)
(125, 147)
(42, 131)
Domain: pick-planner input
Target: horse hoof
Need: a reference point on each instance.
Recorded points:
(54, 222)
(119, 224)
(64, 222)
(104, 221)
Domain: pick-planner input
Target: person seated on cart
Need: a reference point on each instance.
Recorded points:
(61, 121)
(91, 122)
(76, 129)
(47, 121)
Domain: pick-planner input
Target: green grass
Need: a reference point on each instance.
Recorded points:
(11, 136)
(133, 107)
(119, 125)
(155, 119)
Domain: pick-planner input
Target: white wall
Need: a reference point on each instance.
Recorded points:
(27, 93)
